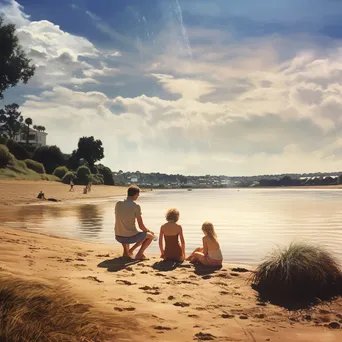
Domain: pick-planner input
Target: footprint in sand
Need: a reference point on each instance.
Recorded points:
(160, 275)
(204, 337)
(227, 316)
(193, 316)
(240, 269)
(102, 255)
(79, 259)
(81, 254)
(124, 309)
(93, 278)
(144, 272)
(149, 299)
(181, 304)
(170, 297)
(186, 296)
(150, 290)
(125, 282)
(160, 327)
(224, 293)
(207, 277)
(224, 275)
(68, 259)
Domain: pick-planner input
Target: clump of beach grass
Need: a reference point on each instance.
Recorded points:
(44, 313)
(298, 273)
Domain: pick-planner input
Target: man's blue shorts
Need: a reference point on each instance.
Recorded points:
(131, 239)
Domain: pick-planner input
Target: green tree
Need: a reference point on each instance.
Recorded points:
(14, 64)
(50, 156)
(11, 120)
(91, 150)
(107, 174)
(28, 122)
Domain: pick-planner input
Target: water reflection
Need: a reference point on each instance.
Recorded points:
(90, 218)
(249, 223)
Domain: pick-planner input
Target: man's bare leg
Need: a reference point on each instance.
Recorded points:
(126, 252)
(138, 244)
(145, 244)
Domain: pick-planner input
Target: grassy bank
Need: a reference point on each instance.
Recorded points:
(12, 168)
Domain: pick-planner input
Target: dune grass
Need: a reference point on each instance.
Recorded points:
(37, 312)
(298, 273)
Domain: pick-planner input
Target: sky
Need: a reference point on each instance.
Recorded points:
(221, 87)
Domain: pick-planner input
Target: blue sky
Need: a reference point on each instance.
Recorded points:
(188, 86)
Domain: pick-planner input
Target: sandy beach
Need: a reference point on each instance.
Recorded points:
(25, 192)
(148, 300)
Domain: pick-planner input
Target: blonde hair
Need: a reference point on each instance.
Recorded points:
(172, 215)
(208, 228)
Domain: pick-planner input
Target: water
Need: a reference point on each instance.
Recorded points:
(249, 222)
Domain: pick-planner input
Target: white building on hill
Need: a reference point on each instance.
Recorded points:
(36, 138)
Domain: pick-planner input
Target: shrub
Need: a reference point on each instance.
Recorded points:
(107, 174)
(4, 156)
(50, 156)
(300, 272)
(83, 175)
(60, 171)
(18, 150)
(35, 166)
(68, 177)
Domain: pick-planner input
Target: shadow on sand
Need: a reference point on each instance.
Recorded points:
(169, 265)
(204, 270)
(117, 264)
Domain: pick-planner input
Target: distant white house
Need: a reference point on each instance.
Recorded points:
(36, 138)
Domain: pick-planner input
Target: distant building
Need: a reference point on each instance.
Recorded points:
(36, 138)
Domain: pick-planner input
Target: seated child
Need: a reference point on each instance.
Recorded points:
(210, 254)
(170, 231)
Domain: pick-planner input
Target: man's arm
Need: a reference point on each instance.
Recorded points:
(141, 224)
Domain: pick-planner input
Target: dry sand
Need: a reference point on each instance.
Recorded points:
(183, 304)
(149, 302)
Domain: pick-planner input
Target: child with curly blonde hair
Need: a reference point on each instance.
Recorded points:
(172, 232)
(210, 254)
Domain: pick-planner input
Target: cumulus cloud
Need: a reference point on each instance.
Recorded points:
(260, 105)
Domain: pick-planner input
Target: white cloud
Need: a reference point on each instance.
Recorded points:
(189, 89)
(12, 11)
(101, 72)
(260, 105)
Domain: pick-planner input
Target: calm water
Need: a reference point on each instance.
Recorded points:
(249, 222)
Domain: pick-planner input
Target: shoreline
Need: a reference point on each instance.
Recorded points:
(164, 303)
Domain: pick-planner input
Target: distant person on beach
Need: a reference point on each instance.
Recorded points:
(89, 187)
(126, 212)
(85, 190)
(172, 232)
(210, 254)
(71, 185)
(41, 195)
